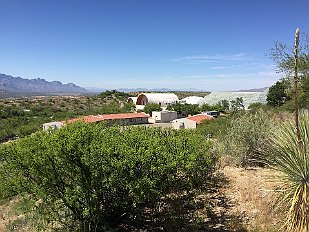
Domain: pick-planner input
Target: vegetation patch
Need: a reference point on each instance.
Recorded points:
(92, 177)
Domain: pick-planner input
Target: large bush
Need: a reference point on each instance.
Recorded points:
(246, 136)
(95, 176)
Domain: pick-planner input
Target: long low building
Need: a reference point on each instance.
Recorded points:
(121, 119)
(126, 118)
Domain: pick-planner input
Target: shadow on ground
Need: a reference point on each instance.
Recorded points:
(204, 210)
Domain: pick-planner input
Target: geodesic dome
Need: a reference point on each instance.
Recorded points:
(248, 97)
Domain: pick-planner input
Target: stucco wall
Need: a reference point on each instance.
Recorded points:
(164, 116)
(184, 124)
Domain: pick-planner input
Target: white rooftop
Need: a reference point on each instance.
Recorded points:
(191, 100)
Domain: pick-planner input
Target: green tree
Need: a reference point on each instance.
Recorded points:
(277, 93)
(237, 104)
(185, 109)
(206, 107)
(151, 107)
(284, 58)
(224, 105)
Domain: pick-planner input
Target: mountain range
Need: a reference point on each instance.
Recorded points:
(127, 90)
(20, 85)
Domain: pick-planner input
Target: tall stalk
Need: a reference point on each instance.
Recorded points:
(299, 142)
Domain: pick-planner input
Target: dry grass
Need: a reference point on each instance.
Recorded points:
(251, 191)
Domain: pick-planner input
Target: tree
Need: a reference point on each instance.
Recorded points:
(237, 104)
(151, 107)
(185, 109)
(224, 105)
(277, 95)
(284, 58)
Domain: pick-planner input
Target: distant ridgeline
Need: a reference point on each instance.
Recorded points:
(9, 84)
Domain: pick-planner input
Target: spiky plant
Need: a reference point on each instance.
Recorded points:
(293, 164)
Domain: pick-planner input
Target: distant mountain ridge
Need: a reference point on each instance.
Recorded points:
(127, 90)
(20, 85)
(253, 90)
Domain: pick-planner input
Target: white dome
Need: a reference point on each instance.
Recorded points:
(192, 100)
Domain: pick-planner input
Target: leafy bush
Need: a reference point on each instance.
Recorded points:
(151, 107)
(277, 93)
(95, 176)
(294, 168)
(215, 128)
(246, 137)
(184, 109)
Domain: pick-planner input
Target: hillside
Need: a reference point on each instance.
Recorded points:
(10, 84)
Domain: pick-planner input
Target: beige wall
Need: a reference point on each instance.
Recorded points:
(183, 123)
(163, 116)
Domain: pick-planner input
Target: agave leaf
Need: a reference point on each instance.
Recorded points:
(293, 183)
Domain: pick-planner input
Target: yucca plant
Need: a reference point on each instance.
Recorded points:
(293, 165)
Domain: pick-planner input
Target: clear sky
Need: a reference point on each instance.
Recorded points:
(201, 44)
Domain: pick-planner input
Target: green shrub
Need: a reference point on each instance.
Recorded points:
(95, 176)
(184, 109)
(246, 136)
(215, 128)
(151, 107)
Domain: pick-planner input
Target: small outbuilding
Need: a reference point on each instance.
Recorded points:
(52, 125)
(163, 116)
(183, 123)
(132, 100)
(190, 122)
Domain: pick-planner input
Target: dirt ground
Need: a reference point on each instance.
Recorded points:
(251, 196)
(243, 202)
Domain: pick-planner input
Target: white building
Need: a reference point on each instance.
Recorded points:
(132, 100)
(190, 122)
(163, 116)
(183, 123)
(163, 99)
(193, 100)
(52, 125)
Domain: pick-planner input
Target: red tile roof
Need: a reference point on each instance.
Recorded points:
(102, 117)
(200, 118)
(124, 116)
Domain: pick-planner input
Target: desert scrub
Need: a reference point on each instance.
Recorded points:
(95, 177)
(246, 136)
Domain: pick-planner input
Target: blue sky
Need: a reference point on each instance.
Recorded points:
(200, 44)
